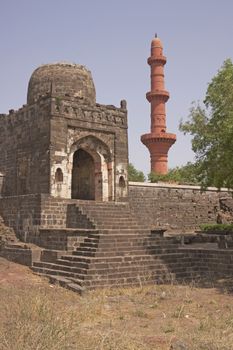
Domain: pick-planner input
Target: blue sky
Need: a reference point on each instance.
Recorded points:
(112, 38)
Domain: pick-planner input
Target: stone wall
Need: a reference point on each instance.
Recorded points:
(207, 266)
(21, 255)
(62, 239)
(178, 208)
(30, 214)
(24, 149)
(22, 213)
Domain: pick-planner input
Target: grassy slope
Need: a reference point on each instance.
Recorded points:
(39, 316)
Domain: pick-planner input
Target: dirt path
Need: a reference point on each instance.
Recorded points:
(149, 318)
(17, 275)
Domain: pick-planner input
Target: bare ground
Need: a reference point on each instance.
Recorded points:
(38, 316)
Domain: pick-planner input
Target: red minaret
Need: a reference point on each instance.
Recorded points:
(158, 141)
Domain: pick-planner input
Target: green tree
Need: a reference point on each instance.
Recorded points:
(134, 174)
(186, 175)
(212, 129)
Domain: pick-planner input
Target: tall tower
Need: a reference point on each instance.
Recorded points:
(158, 141)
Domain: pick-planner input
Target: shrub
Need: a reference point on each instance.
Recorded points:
(217, 228)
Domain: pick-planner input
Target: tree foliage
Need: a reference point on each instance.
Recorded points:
(134, 174)
(185, 175)
(212, 129)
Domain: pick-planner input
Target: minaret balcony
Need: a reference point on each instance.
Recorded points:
(157, 94)
(158, 137)
(157, 60)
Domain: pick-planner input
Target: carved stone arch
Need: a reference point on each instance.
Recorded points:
(93, 145)
(102, 158)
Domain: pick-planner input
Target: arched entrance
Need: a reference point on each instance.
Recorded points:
(90, 172)
(83, 176)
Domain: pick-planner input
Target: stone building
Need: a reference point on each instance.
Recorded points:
(62, 142)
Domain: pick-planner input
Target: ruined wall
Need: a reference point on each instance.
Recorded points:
(178, 208)
(24, 150)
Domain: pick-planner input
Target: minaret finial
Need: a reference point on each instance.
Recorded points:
(156, 35)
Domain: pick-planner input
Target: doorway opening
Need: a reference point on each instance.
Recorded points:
(83, 176)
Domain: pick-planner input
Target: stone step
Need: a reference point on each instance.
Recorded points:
(120, 220)
(122, 269)
(114, 219)
(93, 271)
(119, 281)
(114, 250)
(90, 203)
(121, 215)
(59, 267)
(84, 253)
(131, 252)
(104, 213)
(105, 266)
(64, 282)
(78, 264)
(114, 245)
(116, 223)
(85, 248)
(117, 226)
(91, 240)
(56, 272)
(117, 263)
(126, 241)
(129, 270)
(127, 237)
(15, 248)
(110, 278)
(125, 231)
(89, 244)
(104, 208)
(121, 259)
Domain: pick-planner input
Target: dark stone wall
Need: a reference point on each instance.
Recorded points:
(175, 207)
(29, 213)
(24, 150)
(24, 255)
(204, 267)
(23, 214)
(61, 239)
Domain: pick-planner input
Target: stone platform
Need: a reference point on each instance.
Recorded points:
(107, 245)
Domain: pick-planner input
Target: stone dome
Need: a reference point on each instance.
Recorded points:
(61, 79)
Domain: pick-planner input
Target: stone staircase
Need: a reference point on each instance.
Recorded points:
(119, 251)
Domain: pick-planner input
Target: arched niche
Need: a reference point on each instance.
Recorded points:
(59, 175)
(122, 185)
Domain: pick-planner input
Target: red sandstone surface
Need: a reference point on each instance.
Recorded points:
(158, 141)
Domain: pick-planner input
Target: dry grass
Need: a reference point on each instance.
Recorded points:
(38, 316)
